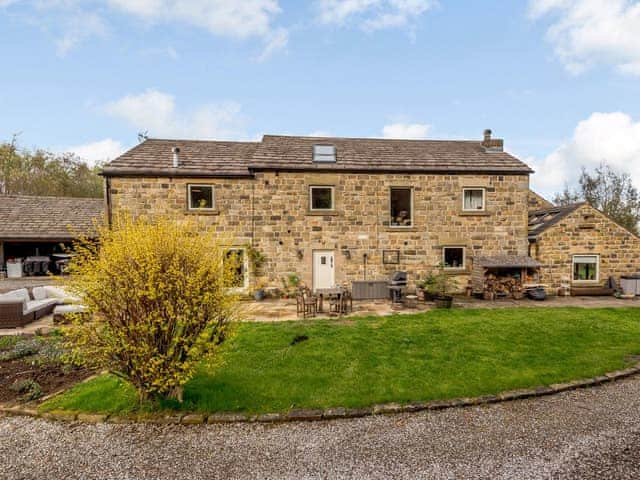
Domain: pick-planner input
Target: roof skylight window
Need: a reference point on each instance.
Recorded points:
(324, 153)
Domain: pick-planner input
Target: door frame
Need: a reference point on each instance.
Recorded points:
(316, 254)
(245, 269)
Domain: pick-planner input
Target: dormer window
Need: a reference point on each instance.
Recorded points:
(324, 153)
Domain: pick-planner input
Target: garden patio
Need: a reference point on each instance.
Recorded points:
(273, 310)
(276, 310)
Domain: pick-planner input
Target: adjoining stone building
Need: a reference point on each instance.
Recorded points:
(334, 210)
(580, 246)
(538, 202)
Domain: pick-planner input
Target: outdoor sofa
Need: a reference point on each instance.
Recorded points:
(18, 307)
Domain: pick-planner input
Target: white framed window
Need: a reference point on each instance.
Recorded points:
(237, 260)
(586, 268)
(473, 199)
(321, 198)
(324, 153)
(401, 206)
(453, 258)
(200, 197)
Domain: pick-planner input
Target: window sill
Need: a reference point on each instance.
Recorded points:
(400, 229)
(202, 212)
(585, 283)
(472, 213)
(322, 213)
(455, 271)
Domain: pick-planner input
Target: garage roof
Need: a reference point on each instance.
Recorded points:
(30, 218)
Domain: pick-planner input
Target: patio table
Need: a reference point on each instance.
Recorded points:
(321, 292)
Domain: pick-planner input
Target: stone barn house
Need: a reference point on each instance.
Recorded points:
(580, 246)
(336, 210)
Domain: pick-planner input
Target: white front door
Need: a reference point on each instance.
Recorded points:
(324, 269)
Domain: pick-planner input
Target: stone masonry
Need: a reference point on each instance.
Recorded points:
(586, 231)
(271, 212)
(537, 202)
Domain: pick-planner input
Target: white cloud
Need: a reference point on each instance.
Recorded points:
(100, 151)
(613, 138)
(586, 33)
(276, 41)
(77, 28)
(226, 18)
(169, 52)
(412, 131)
(156, 112)
(231, 18)
(372, 14)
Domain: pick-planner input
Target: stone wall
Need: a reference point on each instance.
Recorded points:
(272, 211)
(538, 202)
(586, 231)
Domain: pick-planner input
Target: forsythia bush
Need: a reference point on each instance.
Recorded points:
(158, 303)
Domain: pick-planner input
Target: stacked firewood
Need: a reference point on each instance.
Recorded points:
(502, 287)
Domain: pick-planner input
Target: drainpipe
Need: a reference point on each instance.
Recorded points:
(364, 259)
(107, 196)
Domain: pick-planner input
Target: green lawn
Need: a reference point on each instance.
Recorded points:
(363, 361)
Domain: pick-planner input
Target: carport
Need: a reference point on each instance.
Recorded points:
(40, 227)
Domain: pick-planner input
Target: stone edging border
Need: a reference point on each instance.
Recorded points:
(327, 414)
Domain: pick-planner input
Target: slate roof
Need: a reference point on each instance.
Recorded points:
(541, 220)
(507, 261)
(213, 158)
(197, 158)
(47, 218)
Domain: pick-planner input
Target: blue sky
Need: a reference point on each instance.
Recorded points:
(559, 80)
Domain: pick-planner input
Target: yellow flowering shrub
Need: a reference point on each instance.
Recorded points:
(157, 298)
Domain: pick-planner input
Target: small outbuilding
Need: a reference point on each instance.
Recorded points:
(504, 275)
(38, 228)
(581, 248)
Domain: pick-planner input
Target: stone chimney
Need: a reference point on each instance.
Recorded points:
(176, 157)
(492, 144)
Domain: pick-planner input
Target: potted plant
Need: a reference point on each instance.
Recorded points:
(290, 285)
(256, 257)
(444, 285)
(427, 287)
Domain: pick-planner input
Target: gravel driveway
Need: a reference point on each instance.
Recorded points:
(591, 433)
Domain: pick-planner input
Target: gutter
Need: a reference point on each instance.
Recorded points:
(170, 174)
(252, 170)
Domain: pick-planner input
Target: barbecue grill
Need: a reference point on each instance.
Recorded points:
(397, 285)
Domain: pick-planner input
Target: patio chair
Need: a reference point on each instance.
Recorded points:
(309, 304)
(299, 303)
(347, 301)
(335, 305)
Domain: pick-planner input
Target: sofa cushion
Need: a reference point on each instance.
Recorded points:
(21, 293)
(60, 293)
(36, 305)
(39, 293)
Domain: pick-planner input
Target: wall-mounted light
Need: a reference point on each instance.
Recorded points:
(300, 254)
(347, 254)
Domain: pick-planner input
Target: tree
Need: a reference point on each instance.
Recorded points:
(39, 172)
(609, 191)
(157, 302)
(567, 197)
